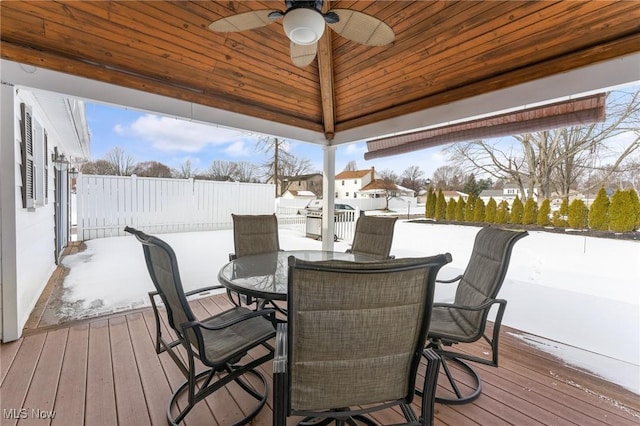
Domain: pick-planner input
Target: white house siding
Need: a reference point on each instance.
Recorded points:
(27, 235)
(348, 187)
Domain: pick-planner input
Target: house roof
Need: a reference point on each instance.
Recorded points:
(304, 177)
(353, 174)
(297, 193)
(493, 193)
(453, 194)
(447, 61)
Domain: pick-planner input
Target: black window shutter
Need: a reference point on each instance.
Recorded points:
(28, 166)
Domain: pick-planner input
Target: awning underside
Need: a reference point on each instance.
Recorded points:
(575, 112)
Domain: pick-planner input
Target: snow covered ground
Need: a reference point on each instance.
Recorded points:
(581, 291)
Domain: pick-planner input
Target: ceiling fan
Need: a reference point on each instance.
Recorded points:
(304, 24)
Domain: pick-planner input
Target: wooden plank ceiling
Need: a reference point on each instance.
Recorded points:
(443, 51)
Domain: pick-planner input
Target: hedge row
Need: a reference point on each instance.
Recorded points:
(621, 213)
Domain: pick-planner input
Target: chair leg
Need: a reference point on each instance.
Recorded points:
(197, 396)
(469, 371)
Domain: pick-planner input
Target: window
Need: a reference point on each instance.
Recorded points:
(41, 164)
(342, 183)
(336, 195)
(346, 194)
(355, 181)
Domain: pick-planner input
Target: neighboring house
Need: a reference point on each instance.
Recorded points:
(42, 135)
(349, 183)
(508, 193)
(454, 195)
(311, 182)
(378, 189)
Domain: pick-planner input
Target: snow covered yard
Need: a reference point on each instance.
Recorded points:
(581, 291)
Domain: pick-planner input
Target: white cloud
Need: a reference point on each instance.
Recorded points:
(118, 129)
(170, 134)
(239, 149)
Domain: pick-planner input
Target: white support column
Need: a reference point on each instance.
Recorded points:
(8, 271)
(328, 196)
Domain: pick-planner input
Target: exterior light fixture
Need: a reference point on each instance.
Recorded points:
(60, 162)
(303, 26)
(73, 172)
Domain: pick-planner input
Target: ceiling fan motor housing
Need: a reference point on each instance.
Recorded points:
(303, 25)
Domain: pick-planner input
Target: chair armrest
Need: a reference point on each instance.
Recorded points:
(203, 289)
(481, 307)
(224, 324)
(452, 280)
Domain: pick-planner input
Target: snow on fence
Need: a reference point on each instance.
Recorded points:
(106, 204)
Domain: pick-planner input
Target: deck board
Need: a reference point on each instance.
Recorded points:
(105, 371)
(70, 398)
(100, 399)
(44, 383)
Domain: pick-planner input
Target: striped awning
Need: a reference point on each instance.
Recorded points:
(574, 112)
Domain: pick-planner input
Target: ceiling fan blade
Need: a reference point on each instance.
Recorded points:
(301, 56)
(243, 21)
(362, 28)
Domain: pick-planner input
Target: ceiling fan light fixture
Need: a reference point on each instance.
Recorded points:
(303, 26)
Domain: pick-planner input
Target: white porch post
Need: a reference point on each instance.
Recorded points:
(328, 196)
(9, 328)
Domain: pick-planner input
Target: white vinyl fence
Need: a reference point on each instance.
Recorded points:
(106, 204)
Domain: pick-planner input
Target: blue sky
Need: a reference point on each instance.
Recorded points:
(148, 137)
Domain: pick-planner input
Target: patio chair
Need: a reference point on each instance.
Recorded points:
(354, 348)
(373, 236)
(220, 342)
(465, 320)
(252, 234)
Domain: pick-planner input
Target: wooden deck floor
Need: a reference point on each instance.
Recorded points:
(105, 372)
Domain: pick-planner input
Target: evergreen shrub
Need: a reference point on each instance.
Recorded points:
(543, 213)
(599, 211)
(516, 211)
(578, 213)
(530, 214)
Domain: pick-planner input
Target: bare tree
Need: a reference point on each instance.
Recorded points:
(412, 178)
(221, 170)
(246, 172)
(388, 183)
(122, 163)
(283, 165)
(98, 167)
(555, 160)
(152, 169)
(351, 166)
(186, 170)
(448, 178)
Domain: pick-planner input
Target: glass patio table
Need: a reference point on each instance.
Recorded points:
(264, 276)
